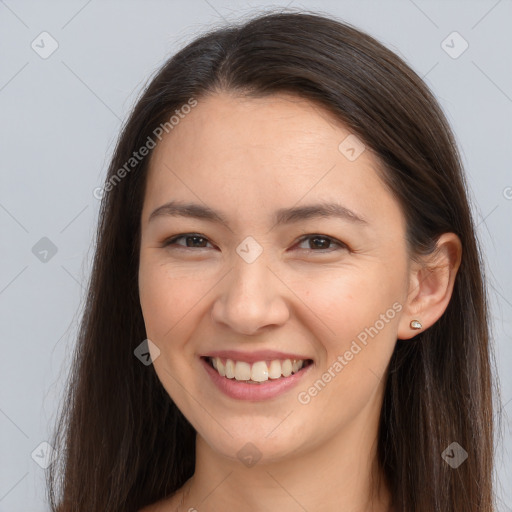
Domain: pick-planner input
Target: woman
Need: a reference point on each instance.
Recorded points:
(287, 308)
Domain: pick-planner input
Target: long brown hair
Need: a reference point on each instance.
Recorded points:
(123, 442)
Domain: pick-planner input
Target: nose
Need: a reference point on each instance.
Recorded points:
(251, 298)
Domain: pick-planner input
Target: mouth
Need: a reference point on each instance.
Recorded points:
(258, 372)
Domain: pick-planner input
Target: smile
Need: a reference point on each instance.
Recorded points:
(259, 371)
(238, 380)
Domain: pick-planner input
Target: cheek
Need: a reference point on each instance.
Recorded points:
(166, 297)
(359, 315)
(357, 336)
(363, 314)
(346, 301)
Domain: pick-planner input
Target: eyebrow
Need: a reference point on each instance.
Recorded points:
(281, 216)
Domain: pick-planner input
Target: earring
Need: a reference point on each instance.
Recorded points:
(415, 324)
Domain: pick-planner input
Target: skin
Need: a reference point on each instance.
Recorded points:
(247, 158)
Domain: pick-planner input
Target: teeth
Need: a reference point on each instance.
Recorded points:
(242, 371)
(230, 369)
(286, 368)
(296, 365)
(257, 372)
(274, 372)
(220, 368)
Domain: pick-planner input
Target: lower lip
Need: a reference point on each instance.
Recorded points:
(264, 391)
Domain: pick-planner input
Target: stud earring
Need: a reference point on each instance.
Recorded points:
(415, 324)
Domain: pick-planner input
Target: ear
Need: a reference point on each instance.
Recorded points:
(431, 286)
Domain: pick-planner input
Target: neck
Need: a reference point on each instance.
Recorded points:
(342, 474)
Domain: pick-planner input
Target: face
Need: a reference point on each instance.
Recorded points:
(264, 284)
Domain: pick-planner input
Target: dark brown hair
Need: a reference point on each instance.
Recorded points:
(123, 442)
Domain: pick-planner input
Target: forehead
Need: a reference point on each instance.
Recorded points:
(262, 153)
(278, 124)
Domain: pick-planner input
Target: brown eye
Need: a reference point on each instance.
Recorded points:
(192, 240)
(319, 243)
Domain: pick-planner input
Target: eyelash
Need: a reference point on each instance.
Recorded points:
(341, 245)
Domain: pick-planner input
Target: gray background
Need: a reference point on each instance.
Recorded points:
(60, 119)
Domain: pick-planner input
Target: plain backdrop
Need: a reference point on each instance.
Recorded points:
(60, 117)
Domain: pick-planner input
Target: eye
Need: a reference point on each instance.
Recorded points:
(192, 240)
(322, 243)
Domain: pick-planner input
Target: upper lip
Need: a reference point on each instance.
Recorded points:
(252, 357)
